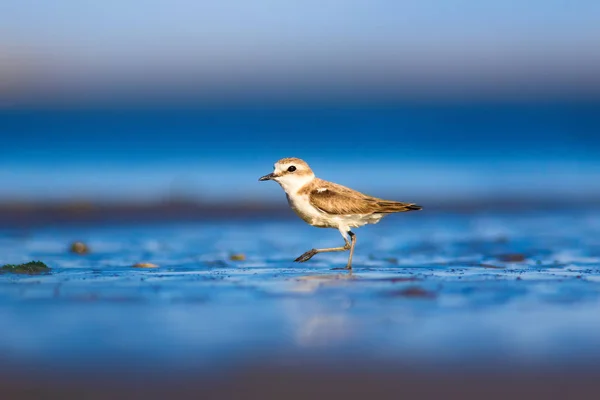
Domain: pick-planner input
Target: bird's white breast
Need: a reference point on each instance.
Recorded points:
(301, 205)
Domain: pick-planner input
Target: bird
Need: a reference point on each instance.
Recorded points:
(326, 204)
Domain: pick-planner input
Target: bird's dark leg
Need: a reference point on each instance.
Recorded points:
(309, 254)
(353, 239)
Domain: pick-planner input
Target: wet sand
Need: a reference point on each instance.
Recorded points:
(314, 381)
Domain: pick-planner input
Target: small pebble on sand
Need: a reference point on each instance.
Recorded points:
(79, 248)
(145, 265)
(237, 257)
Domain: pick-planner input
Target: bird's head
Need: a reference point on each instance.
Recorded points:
(290, 173)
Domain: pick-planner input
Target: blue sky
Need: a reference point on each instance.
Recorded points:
(113, 23)
(66, 41)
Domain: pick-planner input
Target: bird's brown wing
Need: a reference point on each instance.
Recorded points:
(340, 200)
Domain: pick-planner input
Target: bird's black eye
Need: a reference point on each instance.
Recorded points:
(291, 169)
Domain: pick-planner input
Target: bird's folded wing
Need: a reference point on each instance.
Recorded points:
(340, 200)
(344, 202)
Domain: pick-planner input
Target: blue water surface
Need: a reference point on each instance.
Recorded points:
(428, 288)
(433, 151)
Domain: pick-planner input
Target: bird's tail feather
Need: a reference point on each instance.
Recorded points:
(395, 206)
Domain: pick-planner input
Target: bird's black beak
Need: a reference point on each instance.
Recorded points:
(267, 177)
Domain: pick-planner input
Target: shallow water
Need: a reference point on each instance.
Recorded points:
(429, 288)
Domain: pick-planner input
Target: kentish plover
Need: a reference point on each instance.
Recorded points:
(328, 205)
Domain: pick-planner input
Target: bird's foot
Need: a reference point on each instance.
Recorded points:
(306, 256)
(347, 267)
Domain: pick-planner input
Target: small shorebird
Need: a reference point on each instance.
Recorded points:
(328, 205)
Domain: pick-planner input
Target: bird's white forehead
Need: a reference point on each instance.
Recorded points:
(284, 166)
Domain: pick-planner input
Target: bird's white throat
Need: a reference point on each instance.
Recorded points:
(292, 183)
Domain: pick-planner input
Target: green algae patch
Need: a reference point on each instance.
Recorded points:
(30, 268)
